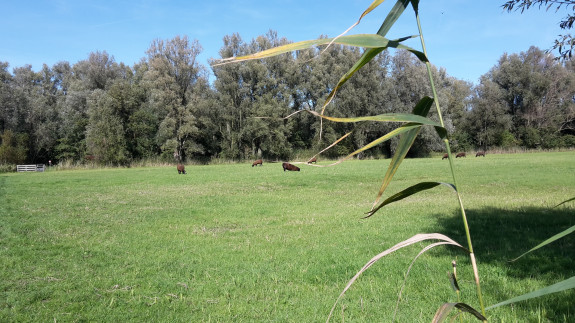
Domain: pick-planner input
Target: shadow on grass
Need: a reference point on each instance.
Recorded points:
(500, 235)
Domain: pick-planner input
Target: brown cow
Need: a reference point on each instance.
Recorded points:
(445, 156)
(290, 167)
(258, 162)
(181, 169)
(480, 153)
(313, 160)
(461, 155)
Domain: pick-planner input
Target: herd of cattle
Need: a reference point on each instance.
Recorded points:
(293, 168)
(459, 155)
(285, 166)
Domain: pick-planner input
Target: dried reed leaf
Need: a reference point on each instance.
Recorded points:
(409, 270)
(415, 239)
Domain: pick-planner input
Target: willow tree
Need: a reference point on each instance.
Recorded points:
(105, 133)
(252, 91)
(172, 77)
(536, 93)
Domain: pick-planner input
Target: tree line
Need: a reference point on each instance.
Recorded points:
(165, 106)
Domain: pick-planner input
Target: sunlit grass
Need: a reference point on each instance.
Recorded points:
(234, 243)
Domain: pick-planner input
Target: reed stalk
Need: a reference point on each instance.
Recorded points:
(453, 175)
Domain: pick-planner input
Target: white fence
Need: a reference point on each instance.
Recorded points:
(31, 168)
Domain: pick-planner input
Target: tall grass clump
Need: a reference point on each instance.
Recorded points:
(411, 124)
(7, 168)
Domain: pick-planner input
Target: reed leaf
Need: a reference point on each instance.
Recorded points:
(388, 22)
(412, 122)
(569, 200)
(360, 40)
(405, 143)
(555, 288)
(548, 241)
(370, 53)
(392, 16)
(408, 192)
(386, 117)
(405, 128)
(415, 239)
(444, 310)
(453, 281)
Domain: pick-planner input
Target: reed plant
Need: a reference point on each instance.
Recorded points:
(407, 132)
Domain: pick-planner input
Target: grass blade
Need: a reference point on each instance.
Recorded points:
(559, 287)
(408, 192)
(548, 241)
(444, 310)
(415, 239)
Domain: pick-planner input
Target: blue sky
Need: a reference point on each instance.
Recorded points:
(466, 37)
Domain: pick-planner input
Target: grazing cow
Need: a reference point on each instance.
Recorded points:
(480, 153)
(258, 162)
(290, 167)
(461, 155)
(313, 160)
(181, 169)
(445, 156)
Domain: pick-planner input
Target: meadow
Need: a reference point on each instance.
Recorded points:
(235, 243)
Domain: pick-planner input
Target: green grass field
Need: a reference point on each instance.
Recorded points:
(232, 243)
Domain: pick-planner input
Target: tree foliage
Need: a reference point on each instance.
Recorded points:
(565, 43)
(529, 96)
(12, 147)
(165, 105)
